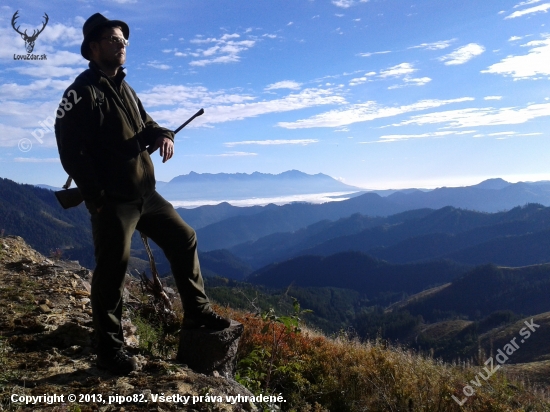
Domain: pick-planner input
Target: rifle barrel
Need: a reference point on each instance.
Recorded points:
(199, 113)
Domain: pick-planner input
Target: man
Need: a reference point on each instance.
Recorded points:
(104, 138)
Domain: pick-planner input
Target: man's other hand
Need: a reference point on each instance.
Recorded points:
(166, 147)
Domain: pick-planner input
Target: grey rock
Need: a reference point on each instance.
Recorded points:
(205, 350)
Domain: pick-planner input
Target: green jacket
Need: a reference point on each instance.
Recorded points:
(102, 134)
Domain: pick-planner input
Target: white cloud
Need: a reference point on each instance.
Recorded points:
(515, 38)
(525, 3)
(217, 113)
(530, 65)
(543, 8)
(42, 88)
(398, 70)
(189, 96)
(476, 117)
(223, 50)
(421, 81)
(373, 53)
(10, 136)
(343, 3)
(285, 84)
(364, 112)
(401, 137)
(462, 54)
(347, 3)
(303, 142)
(360, 80)
(507, 135)
(158, 65)
(492, 98)
(438, 45)
(64, 35)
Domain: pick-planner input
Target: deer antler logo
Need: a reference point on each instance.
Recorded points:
(29, 40)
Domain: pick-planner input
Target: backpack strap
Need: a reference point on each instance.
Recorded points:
(98, 97)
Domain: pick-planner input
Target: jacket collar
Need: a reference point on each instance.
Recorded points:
(117, 80)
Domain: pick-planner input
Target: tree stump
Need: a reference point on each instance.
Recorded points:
(206, 350)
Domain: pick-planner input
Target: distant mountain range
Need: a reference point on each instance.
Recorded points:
(226, 186)
(489, 196)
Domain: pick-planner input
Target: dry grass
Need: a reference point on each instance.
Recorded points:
(344, 374)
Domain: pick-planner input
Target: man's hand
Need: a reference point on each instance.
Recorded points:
(166, 147)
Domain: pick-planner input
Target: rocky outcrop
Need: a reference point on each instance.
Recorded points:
(210, 351)
(46, 347)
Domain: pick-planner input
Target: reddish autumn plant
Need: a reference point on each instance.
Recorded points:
(317, 373)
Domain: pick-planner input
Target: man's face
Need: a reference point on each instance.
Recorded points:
(107, 53)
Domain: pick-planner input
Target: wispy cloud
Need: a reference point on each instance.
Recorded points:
(398, 70)
(364, 112)
(408, 81)
(302, 142)
(542, 8)
(285, 84)
(220, 113)
(492, 98)
(402, 137)
(438, 45)
(463, 54)
(347, 3)
(190, 96)
(222, 50)
(41, 88)
(476, 117)
(526, 3)
(374, 53)
(508, 135)
(159, 65)
(530, 65)
(363, 79)
(403, 71)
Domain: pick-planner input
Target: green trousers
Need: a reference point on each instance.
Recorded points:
(112, 231)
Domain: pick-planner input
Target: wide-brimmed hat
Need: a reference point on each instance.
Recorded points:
(94, 23)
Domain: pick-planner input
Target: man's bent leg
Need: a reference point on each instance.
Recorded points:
(178, 241)
(112, 231)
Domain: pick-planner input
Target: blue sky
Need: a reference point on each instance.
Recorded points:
(377, 93)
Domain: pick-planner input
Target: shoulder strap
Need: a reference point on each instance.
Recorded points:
(97, 94)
